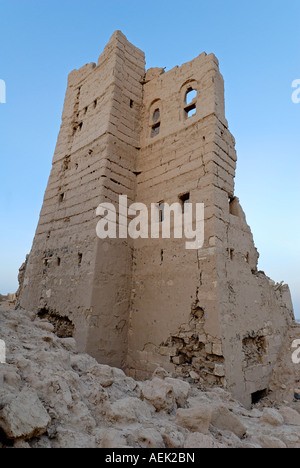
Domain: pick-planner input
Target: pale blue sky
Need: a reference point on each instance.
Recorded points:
(257, 43)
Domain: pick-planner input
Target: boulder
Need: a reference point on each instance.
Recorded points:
(24, 417)
(225, 420)
(290, 416)
(272, 416)
(160, 394)
(196, 419)
(181, 391)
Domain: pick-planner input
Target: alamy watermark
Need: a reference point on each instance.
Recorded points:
(296, 353)
(296, 93)
(2, 92)
(138, 222)
(2, 352)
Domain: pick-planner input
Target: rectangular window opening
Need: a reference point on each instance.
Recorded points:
(58, 261)
(162, 255)
(256, 397)
(61, 197)
(184, 199)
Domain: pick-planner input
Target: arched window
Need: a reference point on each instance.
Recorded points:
(190, 108)
(155, 127)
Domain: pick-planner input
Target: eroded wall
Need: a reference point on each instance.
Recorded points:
(70, 274)
(174, 317)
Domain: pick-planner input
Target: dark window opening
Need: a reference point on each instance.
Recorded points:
(80, 259)
(256, 397)
(80, 125)
(63, 326)
(95, 103)
(85, 110)
(231, 254)
(131, 104)
(61, 197)
(162, 256)
(184, 199)
(58, 261)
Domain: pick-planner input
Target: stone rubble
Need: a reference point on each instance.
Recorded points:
(53, 397)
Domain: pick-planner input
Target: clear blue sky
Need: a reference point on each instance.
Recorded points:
(257, 43)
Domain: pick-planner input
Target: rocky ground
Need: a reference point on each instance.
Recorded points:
(53, 397)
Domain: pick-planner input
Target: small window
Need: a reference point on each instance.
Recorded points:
(85, 110)
(190, 103)
(80, 126)
(95, 103)
(155, 129)
(61, 197)
(131, 104)
(58, 261)
(80, 259)
(184, 199)
(231, 253)
(162, 256)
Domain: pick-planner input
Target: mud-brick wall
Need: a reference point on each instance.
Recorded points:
(174, 317)
(70, 275)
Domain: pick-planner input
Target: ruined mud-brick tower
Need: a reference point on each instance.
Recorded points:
(139, 304)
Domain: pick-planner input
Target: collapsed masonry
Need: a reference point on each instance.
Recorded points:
(139, 304)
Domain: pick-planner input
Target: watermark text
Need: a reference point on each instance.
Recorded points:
(296, 353)
(138, 222)
(2, 352)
